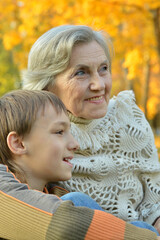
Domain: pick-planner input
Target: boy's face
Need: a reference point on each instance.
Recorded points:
(49, 147)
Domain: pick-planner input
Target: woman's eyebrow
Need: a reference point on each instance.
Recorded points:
(87, 66)
(81, 66)
(105, 62)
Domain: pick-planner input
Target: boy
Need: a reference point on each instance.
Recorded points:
(37, 146)
(30, 120)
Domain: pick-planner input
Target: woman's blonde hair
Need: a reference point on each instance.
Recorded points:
(50, 54)
(18, 112)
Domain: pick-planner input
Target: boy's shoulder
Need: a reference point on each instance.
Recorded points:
(54, 188)
(11, 187)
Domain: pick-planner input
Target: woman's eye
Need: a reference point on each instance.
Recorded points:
(104, 68)
(80, 73)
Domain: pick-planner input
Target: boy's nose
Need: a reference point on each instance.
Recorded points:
(73, 145)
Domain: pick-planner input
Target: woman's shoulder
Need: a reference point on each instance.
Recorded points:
(126, 96)
(123, 113)
(123, 106)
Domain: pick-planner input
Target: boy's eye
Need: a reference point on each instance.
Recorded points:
(60, 132)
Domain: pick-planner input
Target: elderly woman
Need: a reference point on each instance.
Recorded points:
(117, 163)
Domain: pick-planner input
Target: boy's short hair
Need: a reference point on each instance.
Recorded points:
(18, 112)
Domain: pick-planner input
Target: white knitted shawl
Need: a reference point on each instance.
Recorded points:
(117, 164)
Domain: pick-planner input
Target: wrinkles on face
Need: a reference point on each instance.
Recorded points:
(87, 76)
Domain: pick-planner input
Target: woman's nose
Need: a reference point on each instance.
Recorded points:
(97, 82)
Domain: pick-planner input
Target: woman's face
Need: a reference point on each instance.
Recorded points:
(84, 87)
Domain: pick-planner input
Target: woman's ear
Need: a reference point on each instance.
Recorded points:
(15, 144)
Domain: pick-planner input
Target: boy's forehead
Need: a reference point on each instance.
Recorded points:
(47, 108)
(49, 113)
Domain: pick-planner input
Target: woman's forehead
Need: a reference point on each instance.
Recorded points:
(86, 53)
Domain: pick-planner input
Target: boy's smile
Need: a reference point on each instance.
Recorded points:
(49, 149)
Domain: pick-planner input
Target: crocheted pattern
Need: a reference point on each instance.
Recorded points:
(117, 164)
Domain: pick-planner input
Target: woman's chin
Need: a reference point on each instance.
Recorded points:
(95, 115)
(96, 112)
(90, 113)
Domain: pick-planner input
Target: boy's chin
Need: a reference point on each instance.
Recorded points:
(66, 178)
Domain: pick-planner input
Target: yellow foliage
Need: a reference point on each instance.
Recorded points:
(157, 142)
(152, 106)
(133, 59)
(130, 23)
(11, 39)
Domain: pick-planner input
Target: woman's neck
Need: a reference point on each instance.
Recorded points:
(78, 120)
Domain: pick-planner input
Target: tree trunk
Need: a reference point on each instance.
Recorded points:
(156, 20)
(146, 85)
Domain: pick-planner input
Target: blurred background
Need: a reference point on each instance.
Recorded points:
(134, 27)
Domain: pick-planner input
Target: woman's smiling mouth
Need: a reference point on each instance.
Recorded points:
(96, 99)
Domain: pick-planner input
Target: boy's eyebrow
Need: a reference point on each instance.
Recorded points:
(66, 124)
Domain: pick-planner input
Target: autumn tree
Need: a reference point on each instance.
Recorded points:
(134, 27)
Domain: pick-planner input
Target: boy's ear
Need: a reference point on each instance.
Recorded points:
(15, 144)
